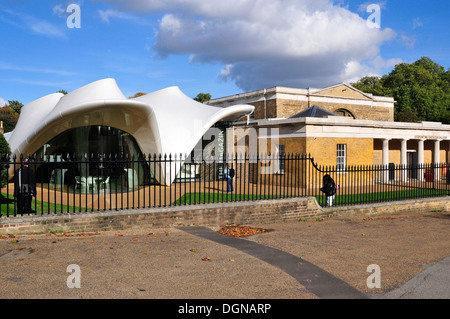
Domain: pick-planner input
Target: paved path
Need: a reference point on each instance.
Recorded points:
(316, 280)
(432, 283)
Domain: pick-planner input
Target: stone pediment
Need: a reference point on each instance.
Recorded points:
(343, 90)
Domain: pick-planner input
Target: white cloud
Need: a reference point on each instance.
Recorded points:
(262, 43)
(2, 102)
(105, 15)
(11, 67)
(36, 25)
(43, 27)
(407, 41)
(363, 6)
(417, 23)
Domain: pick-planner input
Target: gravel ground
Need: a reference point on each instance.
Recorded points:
(171, 264)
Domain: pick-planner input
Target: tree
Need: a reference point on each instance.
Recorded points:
(5, 151)
(15, 105)
(62, 91)
(371, 84)
(421, 90)
(203, 97)
(9, 118)
(138, 94)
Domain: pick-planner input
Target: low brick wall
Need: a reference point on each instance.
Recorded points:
(398, 207)
(194, 215)
(240, 213)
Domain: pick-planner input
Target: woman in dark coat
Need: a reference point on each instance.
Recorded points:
(329, 188)
(24, 187)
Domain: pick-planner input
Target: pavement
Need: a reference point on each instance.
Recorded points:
(322, 259)
(432, 283)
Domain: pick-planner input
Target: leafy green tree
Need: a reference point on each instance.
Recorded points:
(371, 84)
(4, 152)
(9, 118)
(15, 105)
(62, 91)
(203, 97)
(421, 90)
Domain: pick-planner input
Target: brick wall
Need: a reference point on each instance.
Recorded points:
(210, 215)
(201, 215)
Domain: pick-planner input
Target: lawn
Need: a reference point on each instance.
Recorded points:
(203, 198)
(377, 197)
(341, 200)
(8, 203)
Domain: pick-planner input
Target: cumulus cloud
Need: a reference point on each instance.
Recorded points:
(262, 43)
(2, 102)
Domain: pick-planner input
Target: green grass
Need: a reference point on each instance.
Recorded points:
(202, 198)
(367, 198)
(7, 203)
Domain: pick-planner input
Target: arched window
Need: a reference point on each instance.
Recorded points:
(344, 112)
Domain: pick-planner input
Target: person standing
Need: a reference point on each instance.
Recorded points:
(329, 188)
(24, 187)
(229, 174)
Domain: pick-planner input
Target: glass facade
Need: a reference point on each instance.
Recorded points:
(105, 152)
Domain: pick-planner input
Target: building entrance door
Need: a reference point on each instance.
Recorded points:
(411, 164)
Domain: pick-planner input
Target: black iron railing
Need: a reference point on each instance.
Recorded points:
(77, 184)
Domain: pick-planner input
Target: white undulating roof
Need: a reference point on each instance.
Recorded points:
(163, 122)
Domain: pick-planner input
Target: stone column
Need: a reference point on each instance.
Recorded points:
(437, 159)
(404, 160)
(420, 160)
(386, 160)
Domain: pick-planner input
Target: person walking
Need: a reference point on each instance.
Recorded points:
(24, 187)
(229, 174)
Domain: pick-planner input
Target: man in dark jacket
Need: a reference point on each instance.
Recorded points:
(24, 187)
(329, 188)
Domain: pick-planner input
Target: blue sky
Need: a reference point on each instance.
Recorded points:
(222, 48)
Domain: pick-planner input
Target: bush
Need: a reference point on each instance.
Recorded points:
(5, 151)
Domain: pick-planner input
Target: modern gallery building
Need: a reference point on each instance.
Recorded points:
(99, 119)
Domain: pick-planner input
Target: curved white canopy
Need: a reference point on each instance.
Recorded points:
(163, 122)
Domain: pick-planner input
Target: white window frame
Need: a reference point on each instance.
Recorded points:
(341, 158)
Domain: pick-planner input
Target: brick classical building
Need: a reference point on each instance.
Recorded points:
(341, 99)
(337, 125)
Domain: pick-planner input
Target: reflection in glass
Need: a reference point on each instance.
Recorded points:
(93, 159)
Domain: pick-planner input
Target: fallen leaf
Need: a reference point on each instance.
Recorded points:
(242, 231)
(206, 258)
